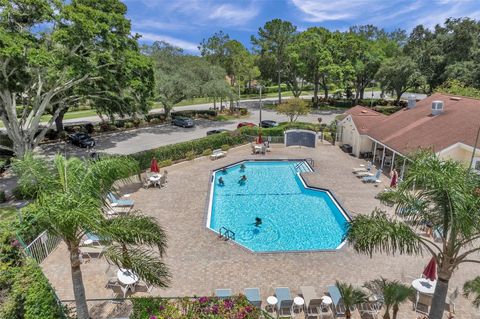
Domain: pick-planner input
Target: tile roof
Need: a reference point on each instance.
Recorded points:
(410, 129)
(364, 118)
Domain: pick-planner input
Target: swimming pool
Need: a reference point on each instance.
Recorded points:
(273, 210)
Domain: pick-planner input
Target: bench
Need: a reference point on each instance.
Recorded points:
(216, 154)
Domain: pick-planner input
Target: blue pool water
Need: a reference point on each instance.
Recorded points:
(294, 218)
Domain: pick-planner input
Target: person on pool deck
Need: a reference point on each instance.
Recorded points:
(221, 182)
(243, 179)
(258, 221)
(242, 168)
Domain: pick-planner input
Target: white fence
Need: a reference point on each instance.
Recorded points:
(42, 246)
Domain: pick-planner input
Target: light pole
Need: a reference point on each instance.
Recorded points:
(259, 87)
(238, 101)
(371, 101)
(474, 149)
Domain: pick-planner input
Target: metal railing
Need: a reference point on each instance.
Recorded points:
(42, 246)
(226, 233)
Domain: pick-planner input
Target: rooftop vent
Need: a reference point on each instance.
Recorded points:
(412, 101)
(437, 107)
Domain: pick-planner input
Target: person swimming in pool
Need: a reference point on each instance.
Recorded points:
(220, 181)
(258, 222)
(242, 168)
(242, 180)
(224, 170)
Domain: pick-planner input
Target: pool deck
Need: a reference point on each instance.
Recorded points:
(200, 262)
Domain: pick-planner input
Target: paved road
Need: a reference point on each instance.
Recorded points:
(137, 140)
(146, 138)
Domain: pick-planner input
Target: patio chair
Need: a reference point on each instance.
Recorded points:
(146, 285)
(94, 238)
(363, 168)
(313, 303)
(119, 202)
(112, 281)
(163, 180)
(253, 296)
(338, 306)
(285, 302)
(218, 153)
(372, 179)
(223, 293)
(423, 302)
(254, 149)
(119, 291)
(364, 174)
(370, 308)
(91, 251)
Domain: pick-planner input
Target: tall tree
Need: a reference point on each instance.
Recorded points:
(273, 40)
(446, 194)
(70, 199)
(399, 74)
(44, 68)
(393, 294)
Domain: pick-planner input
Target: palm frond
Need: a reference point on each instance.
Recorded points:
(351, 296)
(378, 233)
(136, 229)
(472, 289)
(147, 265)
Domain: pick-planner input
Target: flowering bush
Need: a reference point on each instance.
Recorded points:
(236, 307)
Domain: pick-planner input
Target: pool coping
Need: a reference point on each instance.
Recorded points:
(209, 203)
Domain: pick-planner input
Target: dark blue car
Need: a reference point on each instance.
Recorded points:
(183, 122)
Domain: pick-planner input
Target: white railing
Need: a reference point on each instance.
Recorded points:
(42, 246)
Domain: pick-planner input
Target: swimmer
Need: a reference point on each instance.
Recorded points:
(242, 168)
(243, 179)
(221, 182)
(258, 221)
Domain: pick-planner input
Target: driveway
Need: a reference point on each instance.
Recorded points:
(137, 140)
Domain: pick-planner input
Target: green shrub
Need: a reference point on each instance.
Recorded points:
(30, 296)
(129, 125)
(194, 113)
(20, 193)
(165, 163)
(221, 118)
(225, 147)
(179, 151)
(190, 155)
(3, 197)
(207, 152)
(243, 111)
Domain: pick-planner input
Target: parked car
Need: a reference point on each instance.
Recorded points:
(268, 123)
(82, 140)
(183, 122)
(216, 131)
(242, 124)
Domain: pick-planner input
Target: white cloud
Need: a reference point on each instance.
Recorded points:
(152, 37)
(159, 25)
(233, 15)
(325, 10)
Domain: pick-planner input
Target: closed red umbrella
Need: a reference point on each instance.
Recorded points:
(154, 166)
(430, 271)
(259, 139)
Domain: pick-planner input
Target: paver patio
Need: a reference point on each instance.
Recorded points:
(200, 262)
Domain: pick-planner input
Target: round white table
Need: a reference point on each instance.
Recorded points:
(424, 285)
(88, 242)
(127, 277)
(298, 303)
(155, 179)
(271, 303)
(326, 300)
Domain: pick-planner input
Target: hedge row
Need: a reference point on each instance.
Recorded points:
(180, 151)
(278, 131)
(25, 292)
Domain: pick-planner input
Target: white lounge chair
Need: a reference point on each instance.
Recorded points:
(218, 153)
(285, 302)
(313, 303)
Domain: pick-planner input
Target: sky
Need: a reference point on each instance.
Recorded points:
(184, 23)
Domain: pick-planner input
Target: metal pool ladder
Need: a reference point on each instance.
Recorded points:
(303, 165)
(226, 233)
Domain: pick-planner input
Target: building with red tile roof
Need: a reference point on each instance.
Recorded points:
(446, 124)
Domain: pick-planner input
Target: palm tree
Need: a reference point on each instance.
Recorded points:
(442, 192)
(351, 296)
(472, 287)
(69, 203)
(393, 293)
